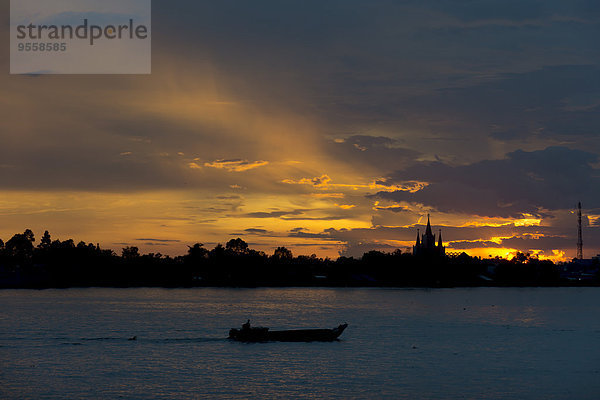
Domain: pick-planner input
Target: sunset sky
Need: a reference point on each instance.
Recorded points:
(330, 127)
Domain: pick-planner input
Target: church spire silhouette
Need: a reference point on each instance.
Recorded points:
(425, 244)
(428, 229)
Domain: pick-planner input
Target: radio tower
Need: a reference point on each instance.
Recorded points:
(579, 237)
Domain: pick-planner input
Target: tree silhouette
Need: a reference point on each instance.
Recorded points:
(65, 264)
(21, 245)
(197, 251)
(282, 253)
(218, 251)
(46, 241)
(237, 246)
(68, 244)
(130, 253)
(520, 257)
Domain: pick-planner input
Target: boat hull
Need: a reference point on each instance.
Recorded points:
(295, 335)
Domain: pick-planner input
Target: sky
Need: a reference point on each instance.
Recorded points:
(329, 127)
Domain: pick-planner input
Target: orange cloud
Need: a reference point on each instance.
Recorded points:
(236, 165)
(328, 195)
(324, 182)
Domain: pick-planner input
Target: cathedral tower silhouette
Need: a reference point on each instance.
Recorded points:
(426, 246)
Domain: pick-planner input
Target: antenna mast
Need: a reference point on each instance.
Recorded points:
(579, 236)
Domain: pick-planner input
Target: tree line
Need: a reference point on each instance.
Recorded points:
(60, 264)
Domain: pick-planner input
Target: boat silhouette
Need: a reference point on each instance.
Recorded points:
(261, 334)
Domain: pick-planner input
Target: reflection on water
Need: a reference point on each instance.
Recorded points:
(400, 343)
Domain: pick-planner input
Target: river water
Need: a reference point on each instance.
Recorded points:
(480, 343)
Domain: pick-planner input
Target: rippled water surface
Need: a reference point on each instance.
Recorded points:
(484, 343)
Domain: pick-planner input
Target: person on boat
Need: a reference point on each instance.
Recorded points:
(246, 326)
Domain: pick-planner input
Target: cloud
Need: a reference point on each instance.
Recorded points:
(272, 214)
(375, 153)
(255, 231)
(476, 244)
(159, 240)
(328, 195)
(318, 182)
(310, 235)
(326, 218)
(236, 165)
(522, 182)
(553, 102)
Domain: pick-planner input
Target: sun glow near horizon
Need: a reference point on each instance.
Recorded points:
(169, 221)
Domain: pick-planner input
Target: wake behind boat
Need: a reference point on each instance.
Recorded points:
(260, 334)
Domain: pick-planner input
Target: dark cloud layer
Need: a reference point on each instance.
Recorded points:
(453, 69)
(554, 102)
(523, 182)
(371, 152)
(458, 73)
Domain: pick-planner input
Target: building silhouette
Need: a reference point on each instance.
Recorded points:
(579, 236)
(426, 245)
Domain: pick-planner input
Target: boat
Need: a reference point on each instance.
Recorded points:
(261, 334)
